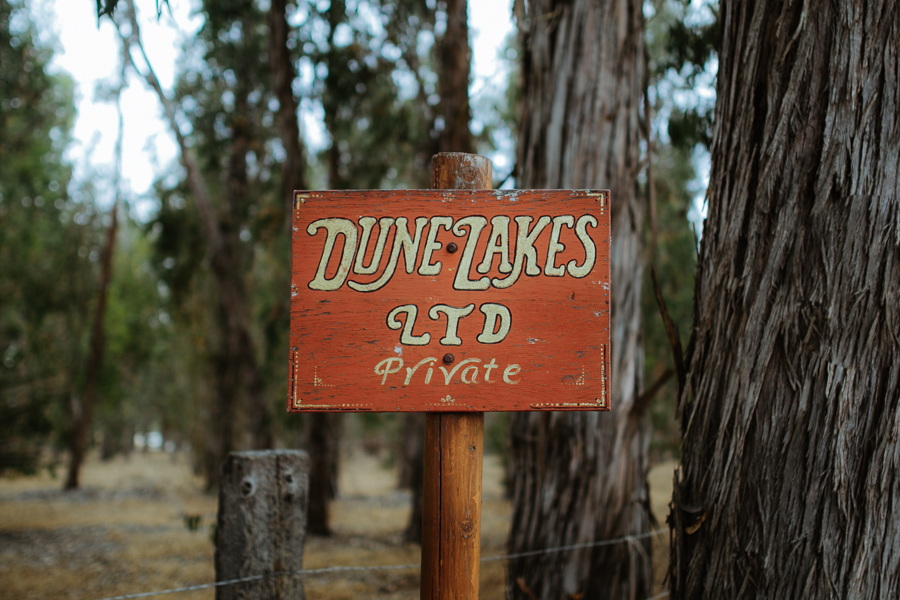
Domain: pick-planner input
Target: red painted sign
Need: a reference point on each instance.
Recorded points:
(450, 300)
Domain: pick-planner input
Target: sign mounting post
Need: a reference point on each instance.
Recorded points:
(454, 450)
(451, 301)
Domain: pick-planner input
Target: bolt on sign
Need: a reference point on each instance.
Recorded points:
(450, 300)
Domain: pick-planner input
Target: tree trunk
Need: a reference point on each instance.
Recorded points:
(236, 367)
(410, 438)
(790, 482)
(323, 438)
(581, 477)
(324, 429)
(454, 59)
(239, 349)
(334, 98)
(412, 464)
(283, 74)
(84, 408)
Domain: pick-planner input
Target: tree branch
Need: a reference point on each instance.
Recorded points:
(643, 401)
(198, 187)
(671, 328)
(671, 332)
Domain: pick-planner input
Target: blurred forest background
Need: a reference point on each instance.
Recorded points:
(125, 329)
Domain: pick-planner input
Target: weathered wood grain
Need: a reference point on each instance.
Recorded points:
(460, 171)
(346, 356)
(451, 524)
(261, 524)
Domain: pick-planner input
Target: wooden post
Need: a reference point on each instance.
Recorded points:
(454, 447)
(261, 524)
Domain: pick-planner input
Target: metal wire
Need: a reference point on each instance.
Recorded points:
(627, 538)
(340, 569)
(304, 572)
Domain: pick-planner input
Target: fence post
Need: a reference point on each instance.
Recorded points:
(261, 524)
(454, 447)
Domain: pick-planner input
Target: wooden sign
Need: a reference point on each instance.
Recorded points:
(440, 300)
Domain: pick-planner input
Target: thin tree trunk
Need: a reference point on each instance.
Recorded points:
(454, 58)
(581, 477)
(83, 408)
(790, 480)
(283, 75)
(239, 349)
(85, 413)
(324, 429)
(410, 446)
(293, 169)
(334, 97)
(412, 457)
(323, 435)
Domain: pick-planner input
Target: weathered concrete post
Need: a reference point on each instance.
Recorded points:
(261, 524)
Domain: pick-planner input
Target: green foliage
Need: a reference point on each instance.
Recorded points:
(225, 97)
(135, 388)
(681, 42)
(177, 241)
(682, 48)
(690, 128)
(374, 74)
(676, 266)
(370, 67)
(689, 41)
(373, 77)
(51, 233)
(496, 108)
(48, 246)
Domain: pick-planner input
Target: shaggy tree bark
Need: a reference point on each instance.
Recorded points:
(790, 482)
(580, 477)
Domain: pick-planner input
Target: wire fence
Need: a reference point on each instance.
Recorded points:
(342, 569)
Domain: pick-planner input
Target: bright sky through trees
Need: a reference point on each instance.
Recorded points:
(91, 55)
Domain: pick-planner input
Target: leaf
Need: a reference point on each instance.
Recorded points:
(693, 528)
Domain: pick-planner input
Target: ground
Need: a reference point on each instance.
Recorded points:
(143, 523)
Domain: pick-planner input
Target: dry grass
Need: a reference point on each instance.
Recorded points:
(125, 533)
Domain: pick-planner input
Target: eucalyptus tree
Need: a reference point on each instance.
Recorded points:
(232, 174)
(47, 243)
(579, 477)
(789, 483)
